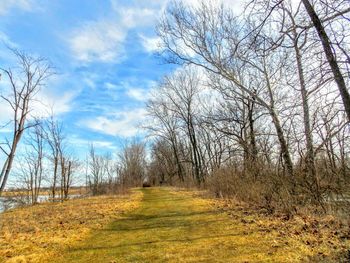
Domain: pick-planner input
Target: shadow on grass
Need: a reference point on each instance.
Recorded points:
(143, 217)
(161, 218)
(184, 240)
(156, 225)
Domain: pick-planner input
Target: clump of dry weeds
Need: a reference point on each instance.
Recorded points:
(314, 238)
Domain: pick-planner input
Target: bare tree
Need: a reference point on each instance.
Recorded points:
(211, 37)
(132, 161)
(33, 166)
(25, 81)
(55, 139)
(96, 172)
(332, 61)
(166, 126)
(181, 90)
(68, 167)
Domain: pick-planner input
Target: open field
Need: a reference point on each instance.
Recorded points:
(167, 225)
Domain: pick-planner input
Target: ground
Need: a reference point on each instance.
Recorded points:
(169, 225)
(41, 232)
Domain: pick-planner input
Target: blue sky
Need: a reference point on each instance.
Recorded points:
(104, 55)
(103, 52)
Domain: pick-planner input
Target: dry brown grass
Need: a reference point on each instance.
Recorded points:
(302, 238)
(169, 225)
(40, 232)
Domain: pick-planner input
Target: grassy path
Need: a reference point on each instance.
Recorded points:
(173, 227)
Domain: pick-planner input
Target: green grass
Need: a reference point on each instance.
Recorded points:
(175, 226)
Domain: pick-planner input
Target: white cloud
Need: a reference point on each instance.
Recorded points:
(124, 124)
(138, 94)
(6, 113)
(6, 40)
(7, 5)
(98, 41)
(47, 101)
(41, 107)
(77, 141)
(135, 16)
(235, 5)
(151, 44)
(90, 83)
(5, 54)
(50, 98)
(111, 86)
(103, 40)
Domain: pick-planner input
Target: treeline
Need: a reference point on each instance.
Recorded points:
(106, 174)
(49, 164)
(258, 108)
(37, 154)
(44, 159)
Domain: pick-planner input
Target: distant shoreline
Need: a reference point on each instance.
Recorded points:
(81, 190)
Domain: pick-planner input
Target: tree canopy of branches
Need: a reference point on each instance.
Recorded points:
(260, 99)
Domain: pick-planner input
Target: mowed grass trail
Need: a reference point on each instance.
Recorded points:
(174, 226)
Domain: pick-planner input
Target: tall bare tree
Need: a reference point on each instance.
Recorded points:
(25, 81)
(327, 47)
(132, 160)
(212, 38)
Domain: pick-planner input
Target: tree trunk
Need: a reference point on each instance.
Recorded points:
(9, 161)
(338, 77)
(283, 144)
(310, 155)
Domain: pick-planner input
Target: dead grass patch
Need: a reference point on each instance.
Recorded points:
(34, 234)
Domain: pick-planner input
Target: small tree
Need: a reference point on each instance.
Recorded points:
(97, 171)
(32, 168)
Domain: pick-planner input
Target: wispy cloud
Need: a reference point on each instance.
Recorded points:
(98, 41)
(111, 86)
(47, 101)
(138, 94)
(41, 107)
(151, 44)
(7, 5)
(4, 39)
(6, 113)
(100, 144)
(124, 124)
(104, 39)
(135, 16)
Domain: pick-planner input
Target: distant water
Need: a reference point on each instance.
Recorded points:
(11, 202)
